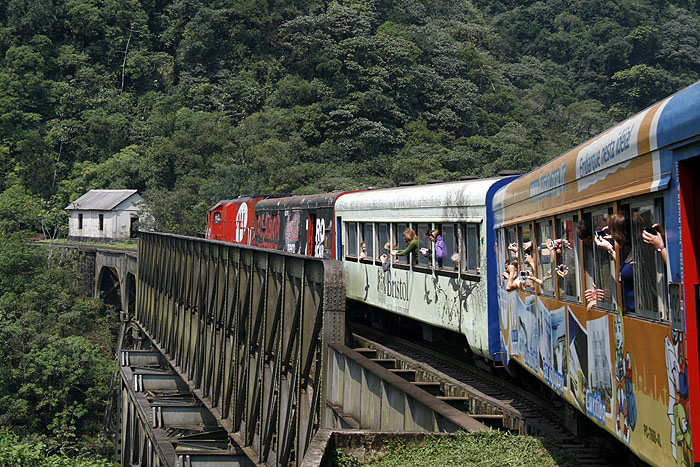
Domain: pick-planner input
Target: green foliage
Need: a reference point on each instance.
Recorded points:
(55, 363)
(14, 453)
(190, 102)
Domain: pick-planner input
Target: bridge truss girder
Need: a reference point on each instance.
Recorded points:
(247, 329)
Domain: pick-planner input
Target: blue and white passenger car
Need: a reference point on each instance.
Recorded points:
(458, 295)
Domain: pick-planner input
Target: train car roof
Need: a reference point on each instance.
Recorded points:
(300, 202)
(246, 198)
(240, 199)
(623, 161)
(446, 201)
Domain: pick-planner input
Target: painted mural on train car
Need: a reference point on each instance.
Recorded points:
(620, 358)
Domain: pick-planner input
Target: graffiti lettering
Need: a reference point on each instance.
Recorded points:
(267, 228)
(319, 238)
(291, 230)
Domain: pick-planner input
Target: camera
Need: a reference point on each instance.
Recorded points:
(562, 268)
(651, 230)
(524, 273)
(599, 233)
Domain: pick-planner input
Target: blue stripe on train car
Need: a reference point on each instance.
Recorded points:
(679, 123)
(338, 238)
(679, 120)
(494, 327)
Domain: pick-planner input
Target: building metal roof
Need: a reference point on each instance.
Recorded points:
(100, 200)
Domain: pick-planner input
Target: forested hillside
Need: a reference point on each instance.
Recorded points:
(192, 101)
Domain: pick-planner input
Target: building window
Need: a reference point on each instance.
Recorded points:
(102, 221)
(80, 222)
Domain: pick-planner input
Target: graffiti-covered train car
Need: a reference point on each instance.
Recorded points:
(421, 252)
(298, 224)
(598, 277)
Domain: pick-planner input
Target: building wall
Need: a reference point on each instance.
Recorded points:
(116, 225)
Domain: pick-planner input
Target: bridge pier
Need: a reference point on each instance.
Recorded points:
(115, 278)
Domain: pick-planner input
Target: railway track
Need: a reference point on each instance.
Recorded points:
(495, 402)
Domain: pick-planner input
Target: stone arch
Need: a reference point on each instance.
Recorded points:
(109, 287)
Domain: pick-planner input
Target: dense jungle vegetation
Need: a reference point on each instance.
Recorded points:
(191, 101)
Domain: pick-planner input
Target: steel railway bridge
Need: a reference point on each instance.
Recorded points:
(232, 355)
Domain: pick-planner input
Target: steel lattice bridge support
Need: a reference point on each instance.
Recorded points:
(228, 343)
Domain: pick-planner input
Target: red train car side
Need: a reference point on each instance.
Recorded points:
(233, 220)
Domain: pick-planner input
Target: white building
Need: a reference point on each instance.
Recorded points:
(104, 215)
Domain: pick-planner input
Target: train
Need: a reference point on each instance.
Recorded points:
(582, 272)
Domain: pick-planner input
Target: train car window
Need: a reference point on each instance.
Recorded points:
(424, 243)
(351, 236)
(382, 240)
(604, 292)
(401, 242)
(450, 252)
(547, 257)
(501, 256)
(585, 235)
(567, 254)
(470, 249)
(525, 248)
(512, 242)
(649, 267)
(366, 241)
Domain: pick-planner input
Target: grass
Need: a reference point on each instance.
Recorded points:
(63, 241)
(486, 448)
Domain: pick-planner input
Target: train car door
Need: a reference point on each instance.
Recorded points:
(690, 240)
(215, 223)
(310, 234)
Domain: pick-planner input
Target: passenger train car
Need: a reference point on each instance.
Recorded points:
(602, 312)
(451, 292)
